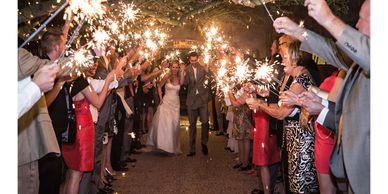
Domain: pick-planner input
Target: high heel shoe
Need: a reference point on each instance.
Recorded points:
(245, 168)
(110, 173)
(237, 165)
(110, 178)
(107, 184)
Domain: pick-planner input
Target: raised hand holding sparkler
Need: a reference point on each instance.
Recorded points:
(311, 102)
(256, 104)
(266, 9)
(287, 26)
(289, 98)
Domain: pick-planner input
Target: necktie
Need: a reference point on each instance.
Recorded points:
(339, 132)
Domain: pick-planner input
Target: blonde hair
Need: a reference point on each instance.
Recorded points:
(293, 52)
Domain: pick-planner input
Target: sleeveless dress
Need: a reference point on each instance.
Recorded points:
(265, 146)
(302, 173)
(324, 138)
(165, 129)
(80, 155)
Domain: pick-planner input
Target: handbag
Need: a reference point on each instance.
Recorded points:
(69, 136)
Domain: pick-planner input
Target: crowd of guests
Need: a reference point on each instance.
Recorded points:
(306, 131)
(80, 132)
(322, 140)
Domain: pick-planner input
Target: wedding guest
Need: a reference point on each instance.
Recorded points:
(352, 135)
(36, 136)
(30, 90)
(53, 44)
(324, 138)
(79, 157)
(232, 144)
(242, 126)
(299, 136)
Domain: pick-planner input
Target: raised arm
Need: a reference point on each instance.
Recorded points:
(98, 99)
(148, 77)
(182, 74)
(313, 43)
(161, 84)
(237, 101)
(66, 27)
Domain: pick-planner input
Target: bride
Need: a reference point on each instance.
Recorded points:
(164, 132)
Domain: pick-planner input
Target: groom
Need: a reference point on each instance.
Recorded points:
(198, 95)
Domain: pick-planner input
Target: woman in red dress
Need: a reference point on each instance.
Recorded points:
(79, 156)
(265, 148)
(324, 138)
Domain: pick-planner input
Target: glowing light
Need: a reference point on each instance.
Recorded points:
(301, 24)
(129, 13)
(151, 45)
(147, 34)
(80, 59)
(100, 37)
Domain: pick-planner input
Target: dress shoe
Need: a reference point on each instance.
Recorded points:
(107, 185)
(135, 152)
(122, 164)
(204, 149)
(110, 178)
(190, 154)
(130, 160)
(219, 133)
(257, 191)
(121, 169)
(105, 190)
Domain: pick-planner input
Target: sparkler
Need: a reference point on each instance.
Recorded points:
(100, 37)
(128, 13)
(89, 9)
(44, 24)
(73, 36)
(266, 9)
(81, 59)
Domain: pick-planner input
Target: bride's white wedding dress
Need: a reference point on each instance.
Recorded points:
(165, 129)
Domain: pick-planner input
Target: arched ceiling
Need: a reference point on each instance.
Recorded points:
(31, 13)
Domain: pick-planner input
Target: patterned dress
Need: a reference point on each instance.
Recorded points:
(300, 147)
(242, 122)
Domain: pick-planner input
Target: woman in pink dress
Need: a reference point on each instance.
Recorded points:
(79, 156)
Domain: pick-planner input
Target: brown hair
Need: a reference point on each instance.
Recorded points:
(53, 36)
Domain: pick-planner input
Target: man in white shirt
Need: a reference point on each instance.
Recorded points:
(30, 90)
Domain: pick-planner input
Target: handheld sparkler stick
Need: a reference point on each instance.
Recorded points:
(266, 8)
(73, 36)
(44, 24)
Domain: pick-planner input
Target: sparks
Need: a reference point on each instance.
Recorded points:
(129, 13)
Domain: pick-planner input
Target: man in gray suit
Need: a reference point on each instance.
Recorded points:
(198, 96)
(350, 116)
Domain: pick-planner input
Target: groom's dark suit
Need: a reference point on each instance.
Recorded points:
(198, 96)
